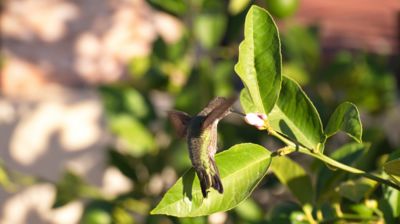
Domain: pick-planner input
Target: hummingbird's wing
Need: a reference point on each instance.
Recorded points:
(180, 121)
(217, 101)
(219, 108)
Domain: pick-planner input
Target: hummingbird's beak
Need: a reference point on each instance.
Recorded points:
(237, 112)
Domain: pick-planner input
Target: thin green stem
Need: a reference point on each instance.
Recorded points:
(350, 169)
(328, 160)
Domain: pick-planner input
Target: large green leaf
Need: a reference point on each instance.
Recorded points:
(345, 118)
(246, 102)
(260, 59)
(295, 116)
(295, 178)
(241, 169)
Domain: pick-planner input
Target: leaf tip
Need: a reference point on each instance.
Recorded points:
(155, 211)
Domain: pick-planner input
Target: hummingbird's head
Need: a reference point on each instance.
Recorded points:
(215, 110)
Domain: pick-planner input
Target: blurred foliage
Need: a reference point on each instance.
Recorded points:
(186, 74)
(282, 8)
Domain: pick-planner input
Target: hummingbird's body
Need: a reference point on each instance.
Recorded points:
(201, 134)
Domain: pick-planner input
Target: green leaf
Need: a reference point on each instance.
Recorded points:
(222, 78)
(390, 203)
(249, 210)
(363, 210)
(308, 53)
(355, 190)
(99, 216)
(119, 99)
(349, 154)
(241, 168)
(297, 72)
(97, 211)
(295, 116)
(246, 102)
(345, 118)
(392, 167)
(139, 66)
(295, 178)
(132, 135)
(260, 59)
(177, 7)
(209, 28)
(237, 6)
(136, 103)
(72, 187)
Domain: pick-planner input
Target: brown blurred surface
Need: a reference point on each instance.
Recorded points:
(355, 24)
(51, 118)
(75, 42)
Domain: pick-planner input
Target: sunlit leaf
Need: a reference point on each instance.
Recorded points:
(259, 64)
(246, 102)
(295, 116)
(241, 169)
(345, 118)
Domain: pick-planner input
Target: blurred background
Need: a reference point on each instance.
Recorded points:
(85, 86)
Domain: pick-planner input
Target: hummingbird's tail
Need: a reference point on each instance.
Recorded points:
(210, 179)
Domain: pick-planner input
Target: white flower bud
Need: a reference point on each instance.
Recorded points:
(256, 119)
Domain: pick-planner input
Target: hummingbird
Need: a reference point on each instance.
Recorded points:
(200, 132)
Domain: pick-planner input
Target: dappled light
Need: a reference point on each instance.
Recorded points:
(29, 19)
(34, 204)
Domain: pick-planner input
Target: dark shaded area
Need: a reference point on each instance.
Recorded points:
(187, 182)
